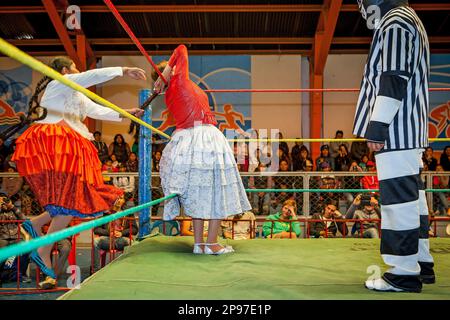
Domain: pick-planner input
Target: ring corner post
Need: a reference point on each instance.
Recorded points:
(145, 166)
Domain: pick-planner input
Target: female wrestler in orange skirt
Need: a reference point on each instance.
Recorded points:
(57, 158)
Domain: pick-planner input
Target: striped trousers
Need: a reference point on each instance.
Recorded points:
(404, 218)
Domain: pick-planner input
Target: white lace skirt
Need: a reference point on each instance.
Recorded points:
(198, 165)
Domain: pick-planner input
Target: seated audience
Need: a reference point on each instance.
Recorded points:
(370, 182)
(429, 160)
(10, 234)
(329, 222)
(445, 159)
(325, 157)
(364, 207)
(335, 146)
(284, 224)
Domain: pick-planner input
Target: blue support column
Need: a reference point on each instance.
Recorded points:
(145, 166)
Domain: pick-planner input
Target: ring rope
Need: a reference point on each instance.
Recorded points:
(130, 33)
(330, 190)
(15, 53)
(27, 246)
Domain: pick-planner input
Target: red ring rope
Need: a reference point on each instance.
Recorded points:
(133, 37)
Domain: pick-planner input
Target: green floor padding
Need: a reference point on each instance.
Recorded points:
(164, 268)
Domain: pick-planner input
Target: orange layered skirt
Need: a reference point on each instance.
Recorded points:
(64, 171)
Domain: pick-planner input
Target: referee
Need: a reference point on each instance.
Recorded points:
(392, 114)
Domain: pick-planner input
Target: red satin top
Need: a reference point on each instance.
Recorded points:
(184, 99)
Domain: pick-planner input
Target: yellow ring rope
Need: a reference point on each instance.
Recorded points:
(13, 52)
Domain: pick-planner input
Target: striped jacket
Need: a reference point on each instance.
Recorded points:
(393, 103)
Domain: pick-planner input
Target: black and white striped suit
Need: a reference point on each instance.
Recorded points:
(393, 109)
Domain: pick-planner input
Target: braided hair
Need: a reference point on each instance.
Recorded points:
(35, 111)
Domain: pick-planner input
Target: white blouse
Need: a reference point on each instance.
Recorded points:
(64, 103)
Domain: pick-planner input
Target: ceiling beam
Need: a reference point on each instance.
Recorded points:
(324, 34)
(216, 8)
(194, 41)
(101, 53)
(276, 51)
(61, 30)
(81, 41)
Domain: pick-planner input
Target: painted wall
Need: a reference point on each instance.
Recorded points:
(264, 111)
(341, 71)
(345, 71)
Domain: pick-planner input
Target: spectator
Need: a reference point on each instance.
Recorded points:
(441, 182)
(132, 163)
(101, 146)
(240, 151)
(115, 235)
(328, 222)
(351, 181)
(279, 227)
(429, 160)
(358, 149)
(241, 228)
(282, 156)
(108, 168)
(364, 207)
(9, 234)
(325, 157)
(284, 167)
(275, 205)
(300, 160)
(115, 163)
(445, 159)
(12, 185)
(363, 162)
(370, 182)
(336, 146)
(120, 148)
(283, 145)
(155, 161)
(295, 152)
(343, 159)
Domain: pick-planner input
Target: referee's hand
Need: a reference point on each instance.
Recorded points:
(375, 147)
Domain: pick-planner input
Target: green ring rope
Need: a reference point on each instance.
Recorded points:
(27, 246)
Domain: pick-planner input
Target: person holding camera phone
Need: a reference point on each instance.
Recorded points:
(365, 207)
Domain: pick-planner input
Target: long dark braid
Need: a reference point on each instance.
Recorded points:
(35, 111)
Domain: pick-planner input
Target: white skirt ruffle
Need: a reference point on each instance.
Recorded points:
(199, 166)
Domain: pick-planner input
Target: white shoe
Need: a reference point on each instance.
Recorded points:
(224, 250)
(198, 249)
(381, 285)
